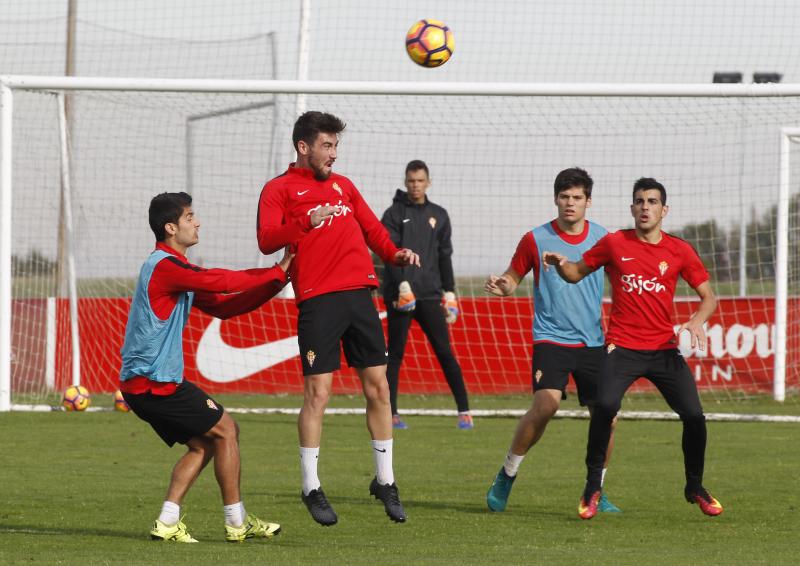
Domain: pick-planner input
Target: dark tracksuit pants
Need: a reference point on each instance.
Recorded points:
(668, 371)
(430, 317)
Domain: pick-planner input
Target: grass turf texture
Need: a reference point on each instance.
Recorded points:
(85, 488)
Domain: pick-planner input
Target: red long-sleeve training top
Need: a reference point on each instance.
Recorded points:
(333, 256)
(248, 289)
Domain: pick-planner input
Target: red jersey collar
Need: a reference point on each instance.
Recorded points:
(660, 243)
(165, 248)
(571, 238)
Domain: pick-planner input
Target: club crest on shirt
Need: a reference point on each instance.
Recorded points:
(611, 348)
(212, 405)
(662, 267)
(310, 357)
(538, 375)
(337, 188)
(432, 222)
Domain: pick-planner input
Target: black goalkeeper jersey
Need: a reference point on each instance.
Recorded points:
(424, 228)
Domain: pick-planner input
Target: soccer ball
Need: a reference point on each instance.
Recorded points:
(119, 402)
(430, 43)
(76, 398)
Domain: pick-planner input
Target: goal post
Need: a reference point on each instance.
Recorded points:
(478, 138)
(6, 117)
(789, 135)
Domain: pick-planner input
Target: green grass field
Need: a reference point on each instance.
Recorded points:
(85, 488)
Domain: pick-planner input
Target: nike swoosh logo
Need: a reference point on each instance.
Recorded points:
(379, 449)
(301, 193)
(406, 220)
(623, 258)
(220, 362)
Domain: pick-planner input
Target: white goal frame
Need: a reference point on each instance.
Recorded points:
(60, 84)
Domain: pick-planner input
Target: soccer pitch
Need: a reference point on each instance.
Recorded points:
(85, 488)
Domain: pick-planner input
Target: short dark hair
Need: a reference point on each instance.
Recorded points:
(167, 208)
(649, 183)
(416, 165)
(573, 177)
(309, 125)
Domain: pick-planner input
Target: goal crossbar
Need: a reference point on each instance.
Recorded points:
(33, 82)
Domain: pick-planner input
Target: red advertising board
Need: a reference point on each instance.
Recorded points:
(257, 352)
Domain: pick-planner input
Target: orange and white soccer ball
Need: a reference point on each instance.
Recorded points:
(76, 398)
(119, 402)
(430, 43)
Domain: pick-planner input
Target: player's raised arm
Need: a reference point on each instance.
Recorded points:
(376, 235)
(570, 271)
(504, 285)
(227, 306)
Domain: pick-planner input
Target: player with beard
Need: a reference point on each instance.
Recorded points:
(326, 221)
(643, 266)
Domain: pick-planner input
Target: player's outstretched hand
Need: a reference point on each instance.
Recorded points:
(500, 286)
(323, 213)
(553, 258)
(450, 306)
(287, 258)
(697, 332)
(406, 257)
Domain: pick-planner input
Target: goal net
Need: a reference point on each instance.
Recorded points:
(492, 158)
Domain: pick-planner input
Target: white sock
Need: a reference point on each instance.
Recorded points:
(170, 513)
(603, 476)
(382, 450)
(512, 463)
(234, 514)
(308, 464)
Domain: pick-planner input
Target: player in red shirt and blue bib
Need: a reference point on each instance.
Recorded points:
(643, 266)
(567, 328)
(151, 376)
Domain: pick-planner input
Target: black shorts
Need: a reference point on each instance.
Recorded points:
(552, 365)
(187, 413)
(348, 317)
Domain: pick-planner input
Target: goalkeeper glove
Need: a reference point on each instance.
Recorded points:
(406, 301)
(450, 307)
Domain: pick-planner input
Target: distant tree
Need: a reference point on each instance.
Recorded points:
(34, 264)
(762, 241)
(719, 248)
(711, 242)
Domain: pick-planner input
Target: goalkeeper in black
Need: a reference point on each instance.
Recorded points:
(426, 295)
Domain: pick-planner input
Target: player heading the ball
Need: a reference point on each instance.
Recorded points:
(325, 220)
